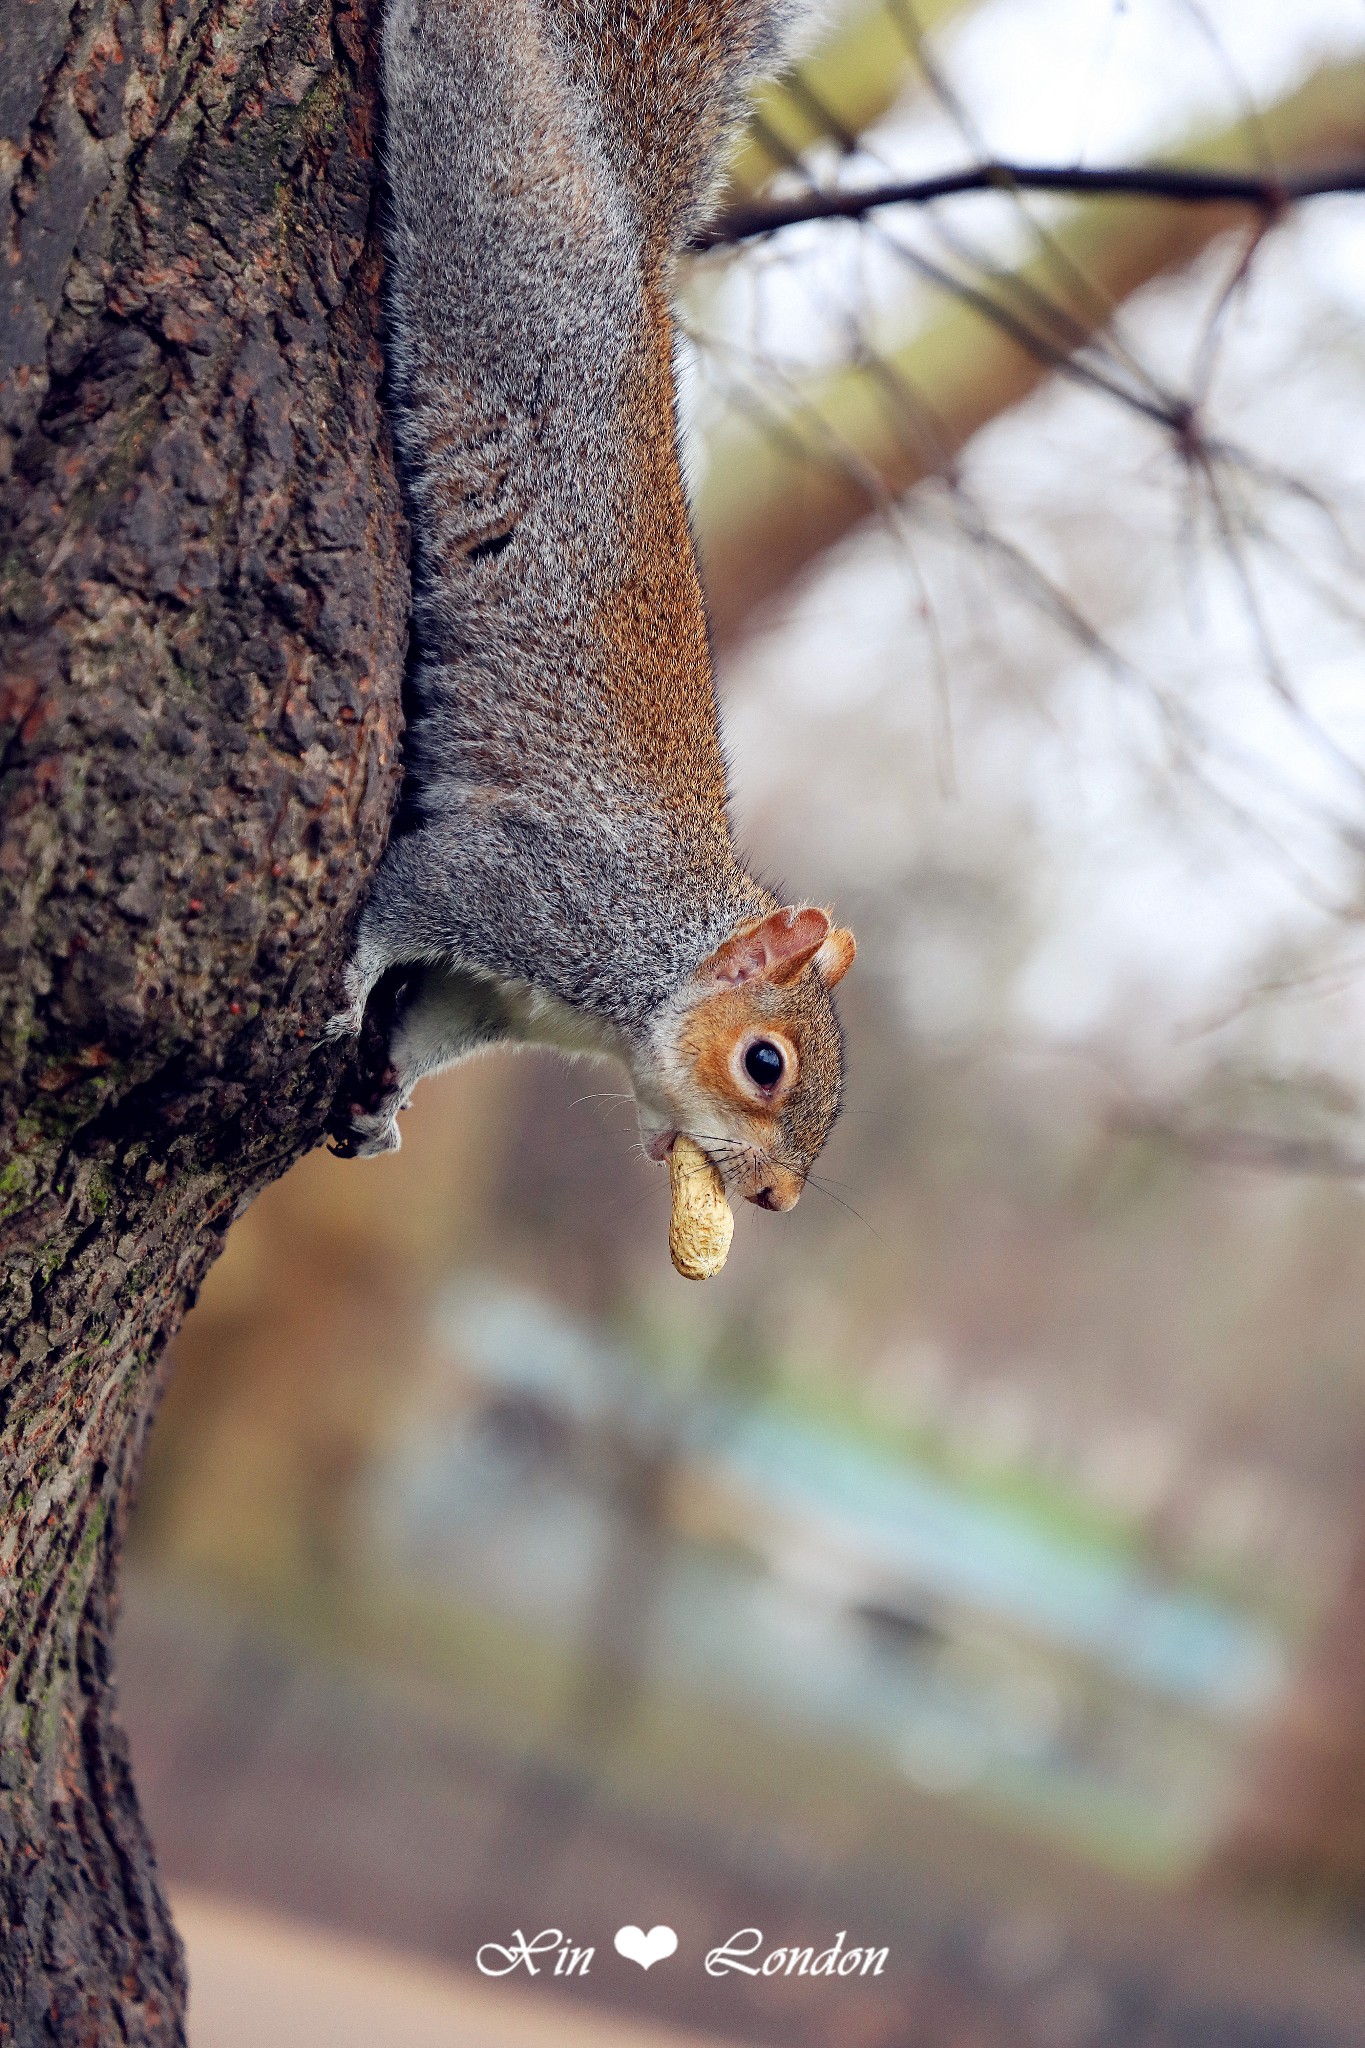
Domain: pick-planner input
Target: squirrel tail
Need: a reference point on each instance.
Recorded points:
(670, 77)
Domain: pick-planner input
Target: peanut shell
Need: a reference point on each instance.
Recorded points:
(702, 1226)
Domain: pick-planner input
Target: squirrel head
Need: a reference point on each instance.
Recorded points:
(749, 1062)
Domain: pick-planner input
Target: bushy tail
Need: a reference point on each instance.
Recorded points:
(670, 78)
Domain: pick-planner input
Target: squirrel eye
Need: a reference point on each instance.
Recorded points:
(763, 1063)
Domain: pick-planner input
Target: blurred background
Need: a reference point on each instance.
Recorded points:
(978, 1565)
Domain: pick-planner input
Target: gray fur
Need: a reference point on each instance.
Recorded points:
(527, 202)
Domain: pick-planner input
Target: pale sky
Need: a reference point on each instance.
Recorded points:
(1151, 897)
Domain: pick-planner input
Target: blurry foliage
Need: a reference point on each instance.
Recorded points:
(305, 1332)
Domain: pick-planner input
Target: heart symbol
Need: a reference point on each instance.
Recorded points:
(645, 1949)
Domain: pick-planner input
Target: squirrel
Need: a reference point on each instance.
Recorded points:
(561, 870)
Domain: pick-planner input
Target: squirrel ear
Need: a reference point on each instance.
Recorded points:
(775, 949)
(835, 957)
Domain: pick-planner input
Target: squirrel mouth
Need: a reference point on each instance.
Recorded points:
(661, 1146)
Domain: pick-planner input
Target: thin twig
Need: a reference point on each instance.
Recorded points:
(1263, 1151)
(1192, 185)
(1065, 359)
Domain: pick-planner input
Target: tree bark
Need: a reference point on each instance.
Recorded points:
(1300, 1827)
(204, 605)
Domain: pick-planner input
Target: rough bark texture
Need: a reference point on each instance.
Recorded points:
(204, 605)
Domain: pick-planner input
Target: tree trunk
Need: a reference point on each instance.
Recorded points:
(204, 605)
(1300, 1828)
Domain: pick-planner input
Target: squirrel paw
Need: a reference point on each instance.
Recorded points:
(362, 1123)
(344, 1023)
(366, 1136)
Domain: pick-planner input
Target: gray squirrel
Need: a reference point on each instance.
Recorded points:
(561, 870)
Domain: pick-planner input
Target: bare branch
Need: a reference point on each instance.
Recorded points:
(842, 89)
(1184, 185)
(1259, 1151)
(764, 517)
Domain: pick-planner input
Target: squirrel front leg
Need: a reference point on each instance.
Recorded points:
(437, 1017)
(409, 919)
(410, 1004)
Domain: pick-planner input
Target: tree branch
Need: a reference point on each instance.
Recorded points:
(1193, 185)
(767, 511)
(839, 91)
(1258, 1151)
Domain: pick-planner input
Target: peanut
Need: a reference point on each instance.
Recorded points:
(702, 1226)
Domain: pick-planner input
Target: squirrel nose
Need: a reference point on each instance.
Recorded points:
(770, 1198)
